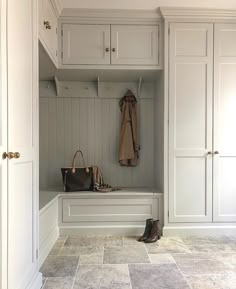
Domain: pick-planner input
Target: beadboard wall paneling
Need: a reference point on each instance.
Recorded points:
(92, 124)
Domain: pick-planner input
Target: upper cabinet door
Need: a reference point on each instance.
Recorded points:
(190, 122)
(134, 44)
(224, 123)
(48, 29)
(86, 44)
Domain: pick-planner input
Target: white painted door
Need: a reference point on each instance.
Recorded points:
(224, 123)
(134, 44)
(3, 145)
(86, 44)
(23, 138)
(190, 122)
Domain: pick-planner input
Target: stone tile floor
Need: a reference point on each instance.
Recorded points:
(109, 262)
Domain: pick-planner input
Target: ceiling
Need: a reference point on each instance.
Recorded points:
(147, 4)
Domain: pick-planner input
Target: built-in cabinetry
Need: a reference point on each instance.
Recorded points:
(200, 111)
(188, 150)
(110, 44)
(48, 29)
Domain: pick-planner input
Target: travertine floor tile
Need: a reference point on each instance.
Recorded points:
(59, 266)
(125, 255)
(153, 276)
(94, 241)
(87, 255)
(201, 282)
(226, 281)
(59, 283)
(198, 264)
(102, 277)
(161, 259)
(168, 245)
(228, 259)
(131, 241)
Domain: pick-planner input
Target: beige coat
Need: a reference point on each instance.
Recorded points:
(129, 134)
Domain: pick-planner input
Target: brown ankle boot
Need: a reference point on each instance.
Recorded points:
(155, 233)
(147, 230)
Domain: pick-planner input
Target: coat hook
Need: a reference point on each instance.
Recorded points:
(140, 86)
(98, 86)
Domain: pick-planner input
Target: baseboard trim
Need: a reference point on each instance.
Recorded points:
(36, 282)
(102, 230)
(47, 245)
(169, 231)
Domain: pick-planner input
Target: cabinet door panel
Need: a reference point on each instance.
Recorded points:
(191, 185)
(224, 123)
(86, 44)
(134, 44)
(48, 35)
(190, 123)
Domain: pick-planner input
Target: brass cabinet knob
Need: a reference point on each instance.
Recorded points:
(107, 49)
(11, 155)
(216, 153)
(113, 49)
(47, 24)
(209, 153)
(17, 155)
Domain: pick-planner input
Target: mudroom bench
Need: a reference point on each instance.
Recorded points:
(120, 212)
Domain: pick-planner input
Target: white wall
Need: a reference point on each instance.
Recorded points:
(147, 4)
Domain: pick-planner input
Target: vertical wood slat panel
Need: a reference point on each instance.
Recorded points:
(43, 142)
(92, 125)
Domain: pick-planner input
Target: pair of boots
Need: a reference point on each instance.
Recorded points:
(152, 232)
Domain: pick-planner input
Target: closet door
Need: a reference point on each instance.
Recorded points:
(86, 44)
(3, 145)
(224, 123)
(190, 122)
(22, 43)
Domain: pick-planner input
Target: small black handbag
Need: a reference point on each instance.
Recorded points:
(77, 178)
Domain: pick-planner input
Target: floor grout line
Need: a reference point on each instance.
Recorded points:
(129, 277)
(44, 282)
(76, 271)
(62, 245)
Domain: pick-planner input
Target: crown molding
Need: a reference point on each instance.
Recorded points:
(111, 15)
(197, 13)
(57, 6)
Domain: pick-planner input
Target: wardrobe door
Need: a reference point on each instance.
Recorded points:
(224, 123)
(190, 122)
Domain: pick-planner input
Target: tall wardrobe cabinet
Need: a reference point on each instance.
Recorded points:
(202, 118)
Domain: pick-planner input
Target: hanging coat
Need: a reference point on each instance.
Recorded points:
(129, 135)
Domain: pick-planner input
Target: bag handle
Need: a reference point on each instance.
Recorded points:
(74, 159)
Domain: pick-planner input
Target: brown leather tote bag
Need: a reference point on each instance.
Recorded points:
(77, 178)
